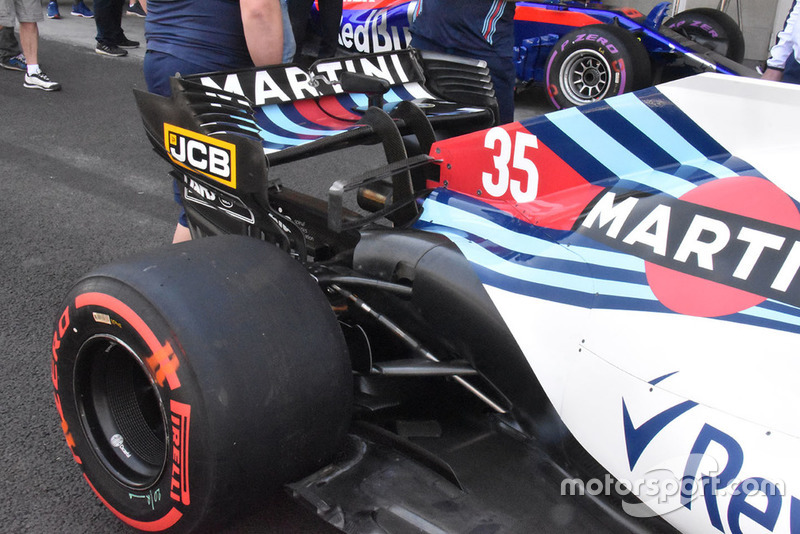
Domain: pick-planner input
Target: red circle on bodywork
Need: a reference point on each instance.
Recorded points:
(743, 195)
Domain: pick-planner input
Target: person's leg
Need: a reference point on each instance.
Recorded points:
(35, 78)
(501, 69)
(108, 19)
(289, 45)
(29, 40)
(504, 79)
(29, 14)
(299, 11)
(330, 15)
(118, 9)
(158, 68)
(9, 46)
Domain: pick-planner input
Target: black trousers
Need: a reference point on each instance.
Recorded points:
(108, 18)
(330, 12)
(9, 46)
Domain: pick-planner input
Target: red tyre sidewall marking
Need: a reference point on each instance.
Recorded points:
(110, 303)
(58, 335)
(618, 66)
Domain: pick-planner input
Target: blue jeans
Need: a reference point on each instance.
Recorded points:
(158, 68)
(289, 45)
(791, 71)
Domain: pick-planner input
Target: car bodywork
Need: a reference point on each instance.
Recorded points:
(382, 25)
(604, 294)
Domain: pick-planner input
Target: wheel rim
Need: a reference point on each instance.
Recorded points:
(121, 411)
(585, 77)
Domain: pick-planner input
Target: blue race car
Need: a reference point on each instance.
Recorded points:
(579, 51)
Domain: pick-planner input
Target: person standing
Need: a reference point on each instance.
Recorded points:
(29, 14)
(783, 62)
(111, 40)
(195, 36)
(479, 29)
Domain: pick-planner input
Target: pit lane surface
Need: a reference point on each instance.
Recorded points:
(79, 186)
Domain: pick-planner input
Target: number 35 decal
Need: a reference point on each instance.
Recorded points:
(517, 175)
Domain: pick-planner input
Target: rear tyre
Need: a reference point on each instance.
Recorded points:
(711, 28)
(194, 377)
(595, 62)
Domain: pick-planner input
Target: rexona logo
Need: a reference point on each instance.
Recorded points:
(202, 154)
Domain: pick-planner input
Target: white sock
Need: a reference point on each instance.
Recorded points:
(33, 69)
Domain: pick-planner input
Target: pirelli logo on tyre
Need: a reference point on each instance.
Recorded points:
(202, 154)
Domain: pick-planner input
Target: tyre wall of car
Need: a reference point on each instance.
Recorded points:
(704, 23)
(238, 373)
(615, 49)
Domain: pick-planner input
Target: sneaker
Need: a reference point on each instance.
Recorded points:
(52, 10)
(110, 50)
(136, 9)
(80, 10)
(41, 81)
(127, 43)
(15, 63)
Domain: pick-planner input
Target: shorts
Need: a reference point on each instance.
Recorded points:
(22, 10)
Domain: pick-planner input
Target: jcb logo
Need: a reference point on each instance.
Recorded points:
(210, 157)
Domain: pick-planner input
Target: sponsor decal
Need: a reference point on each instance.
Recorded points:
(721, 248)
(179, 419)
(728, 496)
(118, 442)
(275, 85)
(594, 38)
(205, 195)
(202, 154)
(375, 34)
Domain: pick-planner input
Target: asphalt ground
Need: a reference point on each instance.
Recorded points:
(79, 187)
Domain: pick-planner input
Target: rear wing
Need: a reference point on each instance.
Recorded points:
(290, 113)
(222, 131)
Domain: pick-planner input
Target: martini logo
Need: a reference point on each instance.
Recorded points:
(276, 85)
(724, 247)
(201, 154)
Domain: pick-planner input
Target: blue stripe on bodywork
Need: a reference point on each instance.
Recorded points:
(648, 122)
(613, 155)
(519, 257)
(279, 119)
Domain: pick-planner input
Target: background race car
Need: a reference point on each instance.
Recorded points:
(580, 51)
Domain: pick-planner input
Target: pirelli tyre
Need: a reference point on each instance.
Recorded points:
(193, 378)
(711, 28)
(595, 62)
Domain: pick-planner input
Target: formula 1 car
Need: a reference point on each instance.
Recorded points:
(579, 51)
(583, 322)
